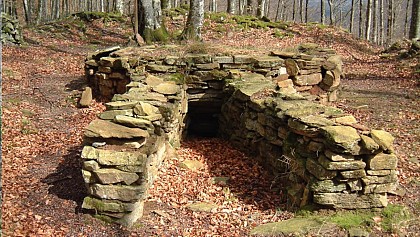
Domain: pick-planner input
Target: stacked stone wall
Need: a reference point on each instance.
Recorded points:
(11, 31)
(324, 155)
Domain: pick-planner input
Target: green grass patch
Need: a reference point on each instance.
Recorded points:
(394, 216)
(349, 219)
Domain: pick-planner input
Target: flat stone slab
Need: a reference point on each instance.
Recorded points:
(294, 226)
(193, 165)
(202, 207)
(104, 129)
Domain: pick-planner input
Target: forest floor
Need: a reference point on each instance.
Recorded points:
(42, 189)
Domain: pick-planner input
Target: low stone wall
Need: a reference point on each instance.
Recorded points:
(10, 30)
(313, 71)
(322, 153)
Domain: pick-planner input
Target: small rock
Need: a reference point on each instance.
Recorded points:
(193, 165)
(358, 232)
(98, 144)
(86, 98)
(202, 207)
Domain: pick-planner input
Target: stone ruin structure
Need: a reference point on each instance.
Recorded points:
(271, 106)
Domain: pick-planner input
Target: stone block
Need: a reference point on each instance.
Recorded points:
(382, 161)
(351, 200)
(319, 171)
(101, 205)
(378, 172)
(384, 139)
(305, 80)
(243, 59)
(198, 58)
(90, 165)
(291, 67)
(342, 136)
(110, 114)
(88, 177)
(207, 66)
(86, 98)
(120, 105)
(160, 68)
(341, 165)
(353, 174)
(167, 88)
(285, 83)
(105, 129)
(338, 157)
(109, 157)
(223, 59)
(368, 144)
(134, 122)
(112, 176)
(267, 61)
(392, 178)
(380, 188)
(118, 192)
(327, 186)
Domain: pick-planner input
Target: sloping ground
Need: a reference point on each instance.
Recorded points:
(42, 131)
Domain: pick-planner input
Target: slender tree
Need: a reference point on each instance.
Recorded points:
(213, 6)
(332, 15)
(390, 21)
(323, 12)
(368, 19)
(250, 7)
(192, 30)
(361, 19)
(407, 6)
(374, 21)
(415, 20)
(352, 15)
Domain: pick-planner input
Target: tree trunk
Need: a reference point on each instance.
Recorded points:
(250, 7)
(301, 11)
(360, 19)
(306, 11)
(213, 6)
(374, 21)
(415, 20)
(151, 26)
(390, 21)
(119, 5)
(407, 6)
(352, 15)
(261, 8)
(332, 15)
(195, 20)
(368, 19)
(323, 12)
(294, 11)
(231, 7)
(26, 11)
(165, 4)
(381, 20)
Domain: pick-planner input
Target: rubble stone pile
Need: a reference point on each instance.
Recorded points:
(10, 30)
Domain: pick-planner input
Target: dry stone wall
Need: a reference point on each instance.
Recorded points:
(10, 30)
(268, 106)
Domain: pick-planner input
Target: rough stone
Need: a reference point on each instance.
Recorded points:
(201, 207)
(112, 176)
(380, 188)
(358, 232)
(90, 165)
(382, 161)
(305, 80)
(268, 61)
(167, 88)
(327, 186)
(86, 98)
(351, 200)
(384, 139)
(117, 192)
(341, 165)
(379, 172)
(109, 157)
(319, 171)
(193, 165)
(392, 178)
(120, 105)
(292, 227)
(152, 80)
(88, 177)
(106, 205)
(368, 144)
(110, 114)
(345, 120)
(353, 174)
(338, 157)
(343, 136)
(160, 68)
(133, 122)
(291, 67)
(105, 129)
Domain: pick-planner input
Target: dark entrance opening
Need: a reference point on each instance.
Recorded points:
(203, 118)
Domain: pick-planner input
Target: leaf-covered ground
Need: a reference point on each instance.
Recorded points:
(42, 189)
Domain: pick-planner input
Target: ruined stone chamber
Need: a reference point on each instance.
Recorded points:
(271, 106)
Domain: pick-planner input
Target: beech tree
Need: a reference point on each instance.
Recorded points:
(231, 6)
(192, 30)
(149, 22)
(415, 20)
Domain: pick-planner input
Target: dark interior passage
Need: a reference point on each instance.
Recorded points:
(203, 118)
